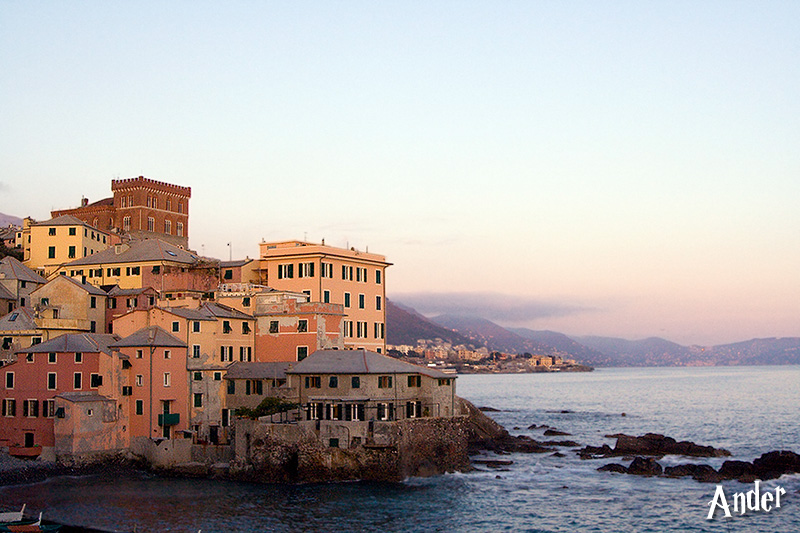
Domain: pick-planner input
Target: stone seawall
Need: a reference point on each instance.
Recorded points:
(375, 451)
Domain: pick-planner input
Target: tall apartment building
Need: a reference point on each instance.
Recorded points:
(142, 208)
(352, 278)
(50, 244)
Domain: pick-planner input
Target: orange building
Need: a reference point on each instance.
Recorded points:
(142, 208)
(351, 278)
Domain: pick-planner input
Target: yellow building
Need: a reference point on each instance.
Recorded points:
(351, 278)
(50, 244)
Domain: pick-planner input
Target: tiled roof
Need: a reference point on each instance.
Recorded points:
(189, 314)
(151, 336)
(63, 220)
(20, 319)
(358, 362)
(11, 268)
(88, 287)
(208, 311)
(76, 397)
(115, 290)
(5, 295)
(75, 342)
(234, 264)
(136, 251)
(257, 370)
(223, 311)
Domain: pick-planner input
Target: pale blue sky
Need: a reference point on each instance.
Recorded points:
(617, 168)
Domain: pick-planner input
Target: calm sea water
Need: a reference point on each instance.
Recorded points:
(748, 410)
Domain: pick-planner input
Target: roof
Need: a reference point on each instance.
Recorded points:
(138, 251)
(234, 264)
(188, 314)
(358, 362)
(208, 311)
(63, 220)
(150, 336)
(11, 268)
(88, 287)
(82, 397)
(75, 342)
(5, 295)
(115, 290)
(257, 370)
(20, 319)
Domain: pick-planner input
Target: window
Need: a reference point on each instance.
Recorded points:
(7, 342)
(196, 326)
(384, 382)
(139, 380)
(139, 407)
(176, 326)
(51, 358)
(258, 386)
(127, 391)
(169, 205)
(180, 207)
(385, 411)
(9, 407)
(180, 229)
(217, 376)
(246, 301)
(302, 326)
(196, 351)
(347, 273)
(77, 381)
(302, 352)
(333, 382)
(231, 387)
(36, 340)
(378, 277)
(51, 252)
(245, 328)
(273, 326)
(95, 380)
(305, 270)
(10, 380)
(51, 381)
(348, 328)
(443, 382)
(30, 408)
(361, 330)
(378, 327)
(198, 399)
(71, 252)
(226, 326)
(327, 270)
(93, 327)
(361, 274)
(414, 381)
(355, 382)
(247, 387)
(157, 269)
(168, 227)
(51, 231)
(326, 297)
(313, 382)
(285, 271)
(151, 224)
(361, 301)
(347, 299)
(48, 408)
(378, 303)
(126, 223)
(413, 409)
(72, 232)
(167, 379)
(139, 354)
(167, 354)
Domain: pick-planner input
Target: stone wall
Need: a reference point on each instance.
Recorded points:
(380, 451)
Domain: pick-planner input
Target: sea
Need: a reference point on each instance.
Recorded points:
(746, 410)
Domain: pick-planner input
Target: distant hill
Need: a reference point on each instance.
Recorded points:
(647, 352)
(494, 337)
(5, 220)
(567, 345)
(405, 326)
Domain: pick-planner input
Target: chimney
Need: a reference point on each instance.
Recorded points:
(84, 202)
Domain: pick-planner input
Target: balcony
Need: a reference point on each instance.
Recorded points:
(169, 419)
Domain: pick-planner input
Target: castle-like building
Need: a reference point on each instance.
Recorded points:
(142, 208)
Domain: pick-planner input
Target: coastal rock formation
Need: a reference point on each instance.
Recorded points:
(654, 445)
(770, 465)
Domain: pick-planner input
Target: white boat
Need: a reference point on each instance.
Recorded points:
(13, 516)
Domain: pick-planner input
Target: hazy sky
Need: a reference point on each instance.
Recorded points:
(611, 168)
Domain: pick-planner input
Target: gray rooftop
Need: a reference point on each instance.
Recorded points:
(88, 287)
(151, 336)
(257, 370)
(5, 295)
(20, 319)
(63, 220)
(208, 311)
(75, 342)
(358, 362)
(82, 397)
(11, 268)
(146, 250)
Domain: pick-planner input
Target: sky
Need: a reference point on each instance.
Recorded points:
(625, 169)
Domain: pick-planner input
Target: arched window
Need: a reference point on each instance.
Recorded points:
(126, 224)
(151, 224)
(168, 227)
(180, 229)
